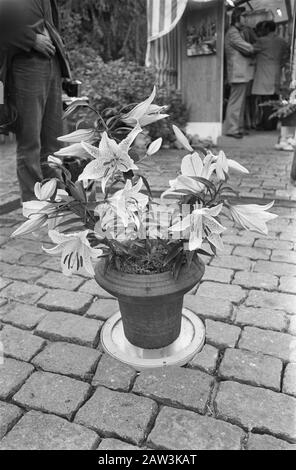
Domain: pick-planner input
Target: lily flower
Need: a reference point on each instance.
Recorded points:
(74, 150)
(85, 135)
(200, 224)
(76, 251)
(109, 158)
(182, 139)
(253, 216)
(44, 192)
(144, 113)
(128, 202)
(223, 165)
(192, 166)
(41, 212)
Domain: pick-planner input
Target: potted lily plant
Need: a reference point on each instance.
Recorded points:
(146, 252)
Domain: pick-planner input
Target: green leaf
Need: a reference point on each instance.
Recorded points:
(177, 249)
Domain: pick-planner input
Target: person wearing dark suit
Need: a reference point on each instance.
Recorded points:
(240, 69)
(34, 61)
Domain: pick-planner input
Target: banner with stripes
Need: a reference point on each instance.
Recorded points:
(163, 16)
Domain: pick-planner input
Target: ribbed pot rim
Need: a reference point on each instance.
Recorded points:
(150, 285)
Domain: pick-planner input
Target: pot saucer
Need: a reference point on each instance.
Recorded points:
(180, 352)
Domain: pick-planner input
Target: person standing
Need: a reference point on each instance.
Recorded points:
(36, 62)
(272, 54)
(240, 70)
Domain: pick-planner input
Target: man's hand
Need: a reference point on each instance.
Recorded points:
(44, 45)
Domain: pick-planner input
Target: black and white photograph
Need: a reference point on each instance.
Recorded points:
(148, 230)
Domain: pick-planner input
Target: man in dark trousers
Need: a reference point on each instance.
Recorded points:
(240, 70)
(36, 62)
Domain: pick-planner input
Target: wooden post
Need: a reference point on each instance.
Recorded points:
(202, 75)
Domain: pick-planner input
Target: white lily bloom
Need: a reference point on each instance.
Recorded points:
(192, 166)
(44, 192)
(196, 223)
(128, 202)
(182, 139)
(144, 113)
(154, 147)
(73, 150)
(85, 135)
(109, 158)
(252, 216)
(76, 251)
(223, 165)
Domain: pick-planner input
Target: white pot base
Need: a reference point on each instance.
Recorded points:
(180, 352)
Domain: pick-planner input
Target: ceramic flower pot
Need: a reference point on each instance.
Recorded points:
(150, 305)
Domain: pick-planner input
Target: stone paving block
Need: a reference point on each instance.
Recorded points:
(292, 326)
(120, 415)
(59, 281)
(245, 240)
(255, 280)
(284, 256)
(33, 259)
(68, 359)
(52, 393)
(218, 274)
(222, 334)
(279, 269)
(21, 273)
(184, 430)
(273, 244)
(227, 292)
(19, 344)
(12, 376)
(39, 431)
(257, 409)
(232, 262)
(176, 386)
(113, 374)
(22, 292)
(9, 415)
(288, 284)
(251, 368)
(288, 235)
(208, 307)
(252, 253)
(206, 360)
(4, 283)
(289, 383)
(92, 287)
(10, 255)
(102, 309)
(25, 246)
(266, 442)
(262, 318)
(273, 300)
(59, 326)
(116, 444)
(51, 262)
(272, 343)
(24, 316)
(67, 301)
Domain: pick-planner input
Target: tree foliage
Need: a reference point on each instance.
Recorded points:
(113, 28)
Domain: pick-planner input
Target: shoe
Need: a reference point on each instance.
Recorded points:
(235, 136)
(284, 146)
(291, 141)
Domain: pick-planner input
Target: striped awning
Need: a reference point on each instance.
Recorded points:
(163, 16)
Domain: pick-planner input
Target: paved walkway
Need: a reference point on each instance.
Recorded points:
(58, 390)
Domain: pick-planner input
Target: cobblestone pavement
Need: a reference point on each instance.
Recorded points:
(58, 390)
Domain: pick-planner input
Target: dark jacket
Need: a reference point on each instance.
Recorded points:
(20, 22)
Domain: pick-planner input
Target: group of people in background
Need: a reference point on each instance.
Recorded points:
(255, 60)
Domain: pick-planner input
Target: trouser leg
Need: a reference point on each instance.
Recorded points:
(234, 121)
(52, 127)
(36, 91)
